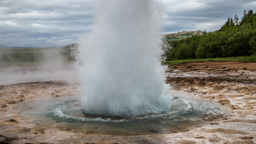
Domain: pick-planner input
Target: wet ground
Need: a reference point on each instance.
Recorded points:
(232, 85)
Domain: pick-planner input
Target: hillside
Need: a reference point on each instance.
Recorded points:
(30, 54)
(183, 35)
(234, 39)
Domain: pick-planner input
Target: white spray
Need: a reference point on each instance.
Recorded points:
(121, 72)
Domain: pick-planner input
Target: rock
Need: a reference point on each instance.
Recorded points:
(187, 142)
(209, 69)
(4, 106)
(227, 131)
(57, 95)
(222, 69)
(214, 140)
(200, 137)
(168, 71)
(244, 68)
(211, 117)
(40, 130)
(13, 120)
(6, 140)
(214, 123)
(247, 138)
(196, 69)
(22, 96)
(12, 102)
(224, 102)
(153, 131)
(26, 130)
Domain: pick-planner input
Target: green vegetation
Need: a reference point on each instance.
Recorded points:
(21, 55)
(236, 38)
(241, 59)
(37, 55)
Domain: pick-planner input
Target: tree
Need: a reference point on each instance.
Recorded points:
(233, 39)
(253, 45)
(226, 25)
(236, 19)
(250, 13)
(243, 19)
(232, 22)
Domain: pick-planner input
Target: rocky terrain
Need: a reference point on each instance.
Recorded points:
(231, 85)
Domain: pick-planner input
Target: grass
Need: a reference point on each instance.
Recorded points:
(241, 59)
(27, 56)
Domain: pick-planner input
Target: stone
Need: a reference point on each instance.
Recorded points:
(222, 69)
(209, 69)
(12, 102)
(224, 102)
(247, 138)
(4, 106)
(57, 95)
(196, 69)
(13, 120)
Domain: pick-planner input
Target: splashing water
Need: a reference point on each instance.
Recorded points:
(121, 72)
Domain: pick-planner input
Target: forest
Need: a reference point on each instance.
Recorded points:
(237, 37)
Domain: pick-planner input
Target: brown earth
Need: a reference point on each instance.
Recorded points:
(226, 83)
(218, 65)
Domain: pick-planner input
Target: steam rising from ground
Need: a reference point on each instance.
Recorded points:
(21, 65)
(121, 71)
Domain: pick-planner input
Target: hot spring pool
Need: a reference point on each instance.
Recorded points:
(67, 113)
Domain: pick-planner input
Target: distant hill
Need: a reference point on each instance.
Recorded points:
(33, 54)
(183, 35)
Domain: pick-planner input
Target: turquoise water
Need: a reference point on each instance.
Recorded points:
(67, 114)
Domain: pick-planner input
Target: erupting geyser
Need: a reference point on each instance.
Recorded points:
(123, 90)
(121, 70)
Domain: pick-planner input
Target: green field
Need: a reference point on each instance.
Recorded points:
(36, 55)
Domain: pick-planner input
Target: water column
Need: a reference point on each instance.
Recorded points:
(121, 73)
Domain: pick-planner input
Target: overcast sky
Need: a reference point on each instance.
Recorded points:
(43, 23)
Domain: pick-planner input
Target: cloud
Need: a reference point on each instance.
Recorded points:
(61, 22)
(207, 15)
(45, 22)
